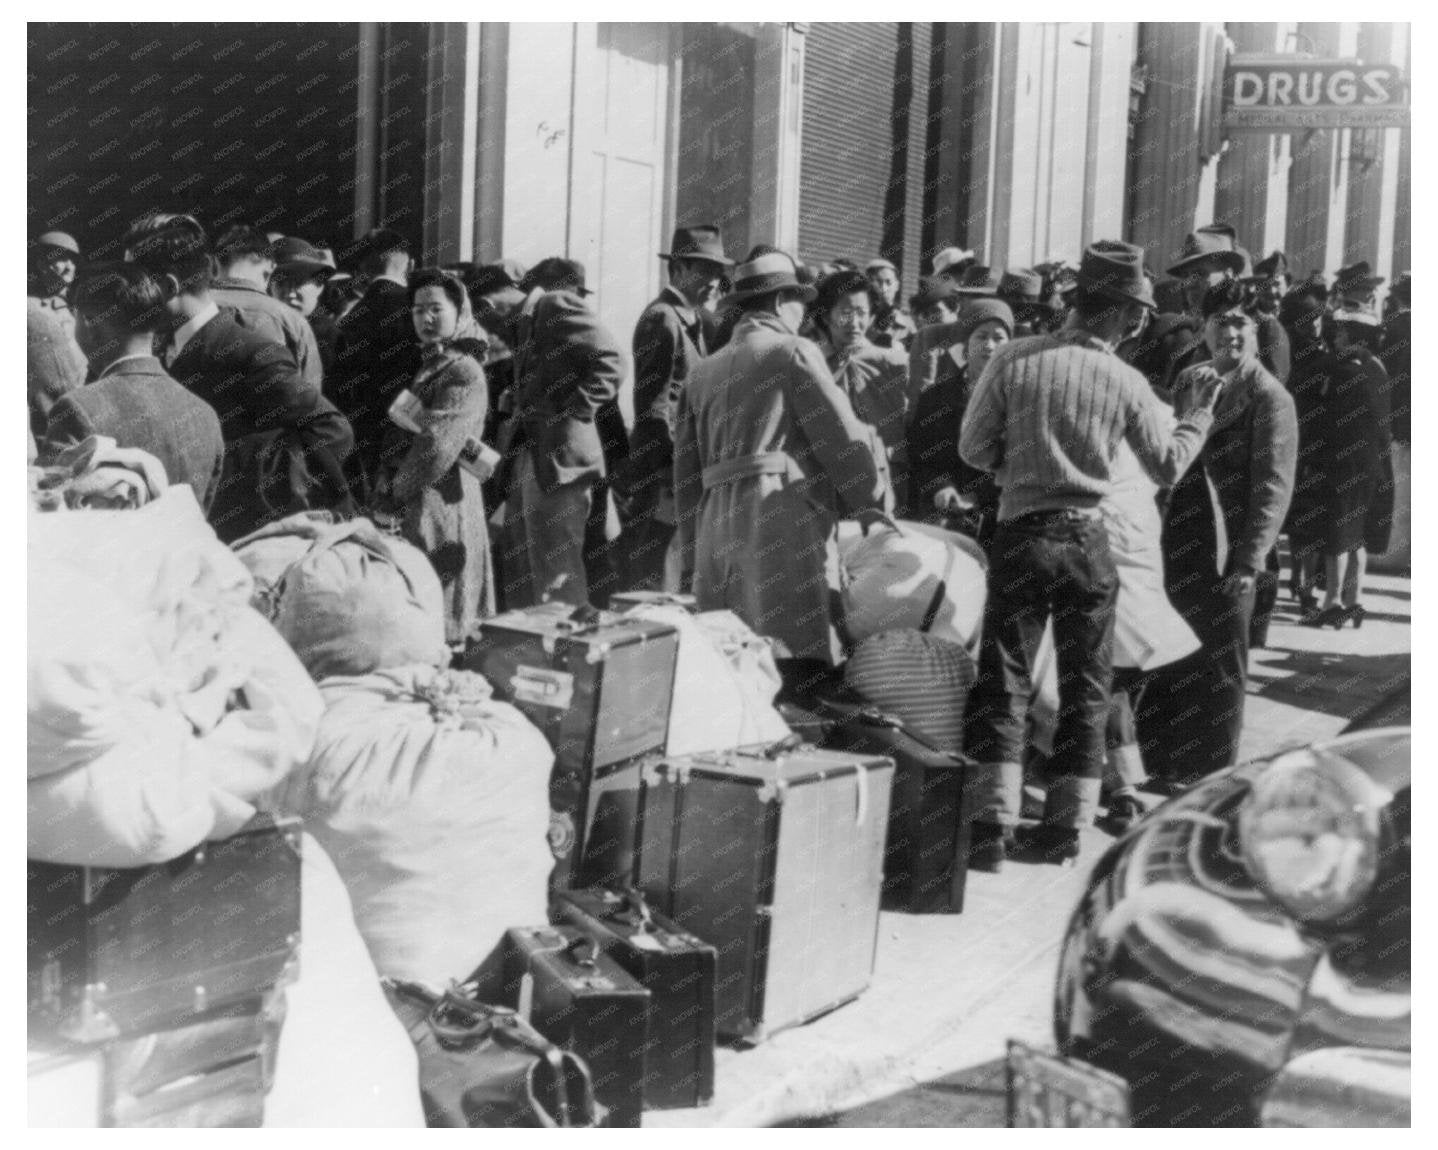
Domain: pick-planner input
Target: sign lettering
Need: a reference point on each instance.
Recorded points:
(1275, 94)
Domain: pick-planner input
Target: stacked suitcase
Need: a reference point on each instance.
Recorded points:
(715, 896)
(160, 989)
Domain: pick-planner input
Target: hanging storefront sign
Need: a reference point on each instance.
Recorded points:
(1289, 93)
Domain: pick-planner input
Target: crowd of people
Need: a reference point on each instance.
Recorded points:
(1127, 447)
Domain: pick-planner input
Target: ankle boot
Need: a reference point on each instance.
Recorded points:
(989, 845)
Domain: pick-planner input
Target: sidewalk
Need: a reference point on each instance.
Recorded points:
(949, 990)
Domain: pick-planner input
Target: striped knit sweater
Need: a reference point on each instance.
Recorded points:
(1047, 416)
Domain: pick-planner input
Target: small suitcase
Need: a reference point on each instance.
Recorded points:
(601, 691)
(926, 853)
(777, 862)
(598, 685)
(678, 971)
(583, 1001)
(123, 951)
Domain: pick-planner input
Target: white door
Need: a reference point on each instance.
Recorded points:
(620, 190)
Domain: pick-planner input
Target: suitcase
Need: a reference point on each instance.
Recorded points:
(599, 686)
(777, 862)
(678, 971)
(122, 951)
(211, 1072)
(583, 1001)
(926, 853)
(601, 691)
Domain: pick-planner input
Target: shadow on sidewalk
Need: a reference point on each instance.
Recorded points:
(975, 1097)
(1334, 683)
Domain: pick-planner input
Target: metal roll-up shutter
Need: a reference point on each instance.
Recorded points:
(848, 139)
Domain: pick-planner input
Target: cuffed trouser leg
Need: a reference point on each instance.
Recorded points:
(995, 792)
(1072, 802)
(1124, 769)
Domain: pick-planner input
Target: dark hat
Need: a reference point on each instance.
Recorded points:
(295, 257)
(934, 290)
(1357, 277)
(1402, 288)
(60, 241)
(1206, 247)
(1224, 299)
(556, 274)
(1115, 269)
(980, 310)
(1272, 268)
(1021, 286)
(698, 242)
(1218, 228)
(977, 280)
(765, 274)
(493, 277)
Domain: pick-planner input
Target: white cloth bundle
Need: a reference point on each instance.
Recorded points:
(160, 705)
(433, 800)
(725, 681)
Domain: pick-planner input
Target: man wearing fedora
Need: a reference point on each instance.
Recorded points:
(1046, 417)
(768, 454)
(892, 326)
(1023, 290)
(673, 334)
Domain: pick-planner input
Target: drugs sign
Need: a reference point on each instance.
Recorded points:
(1286, 94)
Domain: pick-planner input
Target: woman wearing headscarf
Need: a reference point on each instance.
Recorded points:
(875, 379)
(433, 473)
(1356, 488)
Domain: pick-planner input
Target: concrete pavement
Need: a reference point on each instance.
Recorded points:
(924, 1046)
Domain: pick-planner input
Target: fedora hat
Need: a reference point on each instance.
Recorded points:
(698, 242)
(1272, 268)
(977, 280)
(555, 274)
(1021, 286)
(950, 257)
(295, 257)
(765, 274)
(934, 290)
(1115, 269)
(1209, 248)
(1362, 316)
(1356, 278)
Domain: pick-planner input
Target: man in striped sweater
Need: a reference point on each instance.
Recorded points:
(1046, 417)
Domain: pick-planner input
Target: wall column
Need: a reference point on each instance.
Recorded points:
(778, 128)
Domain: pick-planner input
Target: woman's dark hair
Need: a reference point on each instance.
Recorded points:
(447, 282)
(834, 287)
(122, 297)
(1302, 305)
(1226, 295)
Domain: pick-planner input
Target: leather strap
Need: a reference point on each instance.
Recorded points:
(751, 466)
(941, 592)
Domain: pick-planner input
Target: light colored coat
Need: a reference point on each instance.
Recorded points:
(767, 455)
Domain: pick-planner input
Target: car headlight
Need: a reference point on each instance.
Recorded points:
(1310, 834)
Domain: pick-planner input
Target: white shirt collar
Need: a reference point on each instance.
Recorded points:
(187, 330)
(109, 367)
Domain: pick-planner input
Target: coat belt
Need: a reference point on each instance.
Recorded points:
(750, 466)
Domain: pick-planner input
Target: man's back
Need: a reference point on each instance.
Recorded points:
(1047, 416)
(376, 357)
(274, 320)
(138, 404)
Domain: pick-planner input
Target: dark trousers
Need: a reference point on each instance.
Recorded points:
(1191, 719)
(1047, 564)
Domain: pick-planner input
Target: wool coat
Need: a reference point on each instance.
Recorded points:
(137, 404)
(768, 453)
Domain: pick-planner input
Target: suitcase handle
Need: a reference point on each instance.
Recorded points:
(583, 950)
(634, 910)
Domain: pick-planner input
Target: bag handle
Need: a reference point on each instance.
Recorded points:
(941, 592)
(583, 951)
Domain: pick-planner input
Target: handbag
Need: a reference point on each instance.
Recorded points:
(483, 1066)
